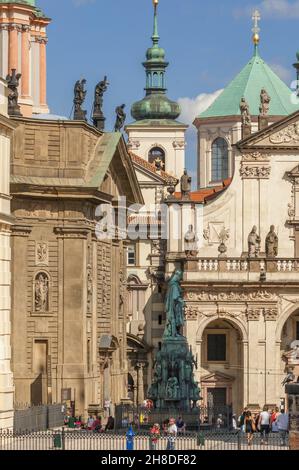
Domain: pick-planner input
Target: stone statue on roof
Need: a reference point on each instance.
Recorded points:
(186, 181)
(79, 98)
(120, 118)
(245, 113)
(265, 102)
(13, 81)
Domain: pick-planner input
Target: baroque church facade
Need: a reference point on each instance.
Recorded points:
(87, 315)
(242, 318)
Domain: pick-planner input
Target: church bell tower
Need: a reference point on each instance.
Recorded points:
(23, 42)
(156, 135)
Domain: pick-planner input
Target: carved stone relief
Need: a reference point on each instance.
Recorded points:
(286, 136)
(255, 172)
(41, 254)
(231, 296)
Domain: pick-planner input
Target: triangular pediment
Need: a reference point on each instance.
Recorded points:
(280, 136)
(217, 377)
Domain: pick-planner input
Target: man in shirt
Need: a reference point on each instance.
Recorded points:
(283, 426)
(264, 423)
(171, 434)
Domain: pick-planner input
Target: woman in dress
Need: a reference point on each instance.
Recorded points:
(249, 427)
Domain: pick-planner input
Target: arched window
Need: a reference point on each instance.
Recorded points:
(219, 159)
(41, 292)
(156, 156)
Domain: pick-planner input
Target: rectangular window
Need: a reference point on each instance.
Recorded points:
(297, 330)
(131, 255)
(160, 319)
(217, 347)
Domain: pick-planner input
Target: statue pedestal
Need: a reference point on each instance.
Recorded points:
(292, 391)
(263, 122)
(99, 121)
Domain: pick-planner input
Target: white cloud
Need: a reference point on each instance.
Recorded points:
(192, 107)
(273, 9)
(286, 74)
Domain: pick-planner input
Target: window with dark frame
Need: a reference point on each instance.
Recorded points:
(131, 255)
(216, 347)
(297, 330)
(219, 160)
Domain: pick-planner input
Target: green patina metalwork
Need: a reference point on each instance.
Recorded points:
(174, 386)
(29, 2)
(248, 84)
(155, 105)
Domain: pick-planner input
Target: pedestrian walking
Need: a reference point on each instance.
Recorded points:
(172, 432)
(283, 426)
(249, 425)
(264, 423)
(155, 434)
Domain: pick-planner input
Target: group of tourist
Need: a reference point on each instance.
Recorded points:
(264, 422)
(94, 423)
(170, 428)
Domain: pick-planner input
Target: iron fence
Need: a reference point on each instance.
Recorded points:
(38, 418)
(86, 440)
(200, 418)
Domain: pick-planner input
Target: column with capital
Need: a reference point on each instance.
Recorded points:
(25, 62)
(43, 71)
(140, 383)
(13, 48)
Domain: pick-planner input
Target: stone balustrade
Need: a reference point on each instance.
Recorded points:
(242, 265)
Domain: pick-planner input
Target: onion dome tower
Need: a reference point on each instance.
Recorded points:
(155, 132)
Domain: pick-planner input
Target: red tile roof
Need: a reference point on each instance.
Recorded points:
(206, 194)
(169, 179)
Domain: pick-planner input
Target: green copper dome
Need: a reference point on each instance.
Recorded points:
(155, 105)
(29, 2)
(248, 84)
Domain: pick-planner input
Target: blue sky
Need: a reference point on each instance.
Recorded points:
(207, 43)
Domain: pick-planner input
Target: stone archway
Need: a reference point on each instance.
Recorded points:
(289, 347)
(138, 358)
(221, 371)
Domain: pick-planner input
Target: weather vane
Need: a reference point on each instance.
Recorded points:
(256, 17)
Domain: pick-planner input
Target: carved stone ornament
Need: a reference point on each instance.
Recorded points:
(179, 144)
(270, 314)
(41, 292)
(133, 144)
(253, 314)
(192, 313)
(89, 288)
(255, 172)
(256, 157)
(41, 254)
(231, 296)
(286, 136)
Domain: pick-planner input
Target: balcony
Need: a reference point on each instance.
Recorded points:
(242, 269)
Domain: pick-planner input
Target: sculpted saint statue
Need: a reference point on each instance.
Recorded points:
(100, 89)
(185, 184)
(254, 242)
(265, 103)
(120, 118)
(191, 239)
(13, 82)
(244, 108)
(41, 293)
(79, 97)
(174, 306)
(272, 243)
(172, 389)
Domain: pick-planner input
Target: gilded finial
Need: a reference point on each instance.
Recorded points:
(256, 17)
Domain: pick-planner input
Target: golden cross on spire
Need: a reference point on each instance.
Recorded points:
(256, 17)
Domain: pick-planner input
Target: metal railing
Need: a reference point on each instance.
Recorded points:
(87, 440)
(38, 418)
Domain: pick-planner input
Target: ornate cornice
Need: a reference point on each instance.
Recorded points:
(71, 232)
(21, 230)
(255, 157)
(216, 296)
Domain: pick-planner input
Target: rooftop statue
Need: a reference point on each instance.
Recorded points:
(265, 103)
(120, 118)
(79, 98)
(13, 81)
